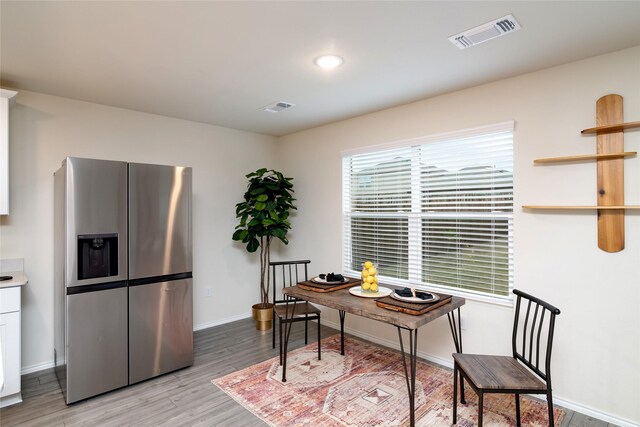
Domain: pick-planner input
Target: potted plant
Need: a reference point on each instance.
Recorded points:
(264, 215)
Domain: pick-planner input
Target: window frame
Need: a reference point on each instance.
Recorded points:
(415, 230)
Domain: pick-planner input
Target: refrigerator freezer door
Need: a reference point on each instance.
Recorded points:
(160, 328)
(96, 204)
(96, 343)
(159, 220)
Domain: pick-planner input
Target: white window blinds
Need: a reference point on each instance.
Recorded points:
(435, 211)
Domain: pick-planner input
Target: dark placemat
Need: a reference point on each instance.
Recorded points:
(319, 287)
(410, 307)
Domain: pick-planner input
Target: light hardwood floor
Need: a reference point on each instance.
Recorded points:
(182, 398)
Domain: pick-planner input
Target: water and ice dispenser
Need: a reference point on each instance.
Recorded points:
(97, 256)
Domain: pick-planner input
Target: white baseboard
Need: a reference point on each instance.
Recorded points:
(594, 413)
(557, 400)
(36, 368)
(221, 321)
(50, 364)
(10, 400)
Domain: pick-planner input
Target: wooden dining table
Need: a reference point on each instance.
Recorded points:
(345, 302)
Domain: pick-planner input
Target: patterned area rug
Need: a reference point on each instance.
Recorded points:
(366, 387)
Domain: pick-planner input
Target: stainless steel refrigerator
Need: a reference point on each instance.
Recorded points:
(123, 274)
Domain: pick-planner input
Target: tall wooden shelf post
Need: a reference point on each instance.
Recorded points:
(610, 174)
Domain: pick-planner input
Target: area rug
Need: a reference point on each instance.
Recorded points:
(366, 387)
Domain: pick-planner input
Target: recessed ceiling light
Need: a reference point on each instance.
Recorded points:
(328, 61)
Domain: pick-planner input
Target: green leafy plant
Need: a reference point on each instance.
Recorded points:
(264, 215)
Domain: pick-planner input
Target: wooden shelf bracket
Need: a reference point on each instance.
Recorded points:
(583, 157)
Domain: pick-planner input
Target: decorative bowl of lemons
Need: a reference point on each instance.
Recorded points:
(369, 281)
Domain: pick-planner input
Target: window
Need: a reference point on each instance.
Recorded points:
(434, 211)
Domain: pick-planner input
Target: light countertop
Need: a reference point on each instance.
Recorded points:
(19, 279)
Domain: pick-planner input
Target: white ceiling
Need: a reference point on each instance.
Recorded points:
(220, 62)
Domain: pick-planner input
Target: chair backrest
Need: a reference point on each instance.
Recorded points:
(286, 273)
(533, 317)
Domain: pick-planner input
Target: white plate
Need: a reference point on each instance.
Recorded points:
(416, 300)
(324, 281)
(382, 292)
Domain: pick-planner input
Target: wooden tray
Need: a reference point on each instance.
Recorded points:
(319, 287)
(412, 308)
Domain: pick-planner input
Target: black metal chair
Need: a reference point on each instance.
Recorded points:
(284, 274)
(521, 373)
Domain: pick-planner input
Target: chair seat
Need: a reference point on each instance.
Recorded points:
(498, 373)
(302, 308)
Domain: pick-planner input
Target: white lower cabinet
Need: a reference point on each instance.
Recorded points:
(10, 346)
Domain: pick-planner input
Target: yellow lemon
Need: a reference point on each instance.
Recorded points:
(374, 287)
(370, 279)
(365, 273)
(375, 279)
(365, 286)
(372, 271)
(368, 264)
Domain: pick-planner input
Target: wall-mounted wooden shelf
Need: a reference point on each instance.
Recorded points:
(585, 157)
(609, 159)
(612, 128)
(593, 207)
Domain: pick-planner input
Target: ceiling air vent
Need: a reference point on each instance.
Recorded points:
(490, 30)
(278, 106)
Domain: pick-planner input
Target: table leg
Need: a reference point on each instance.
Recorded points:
(456, 333)
(410, 370)
(288, 325)
(342, 314)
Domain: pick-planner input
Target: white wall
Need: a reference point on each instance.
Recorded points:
(596, 357)
(45, 129)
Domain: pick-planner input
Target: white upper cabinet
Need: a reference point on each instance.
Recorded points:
(6, 97)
